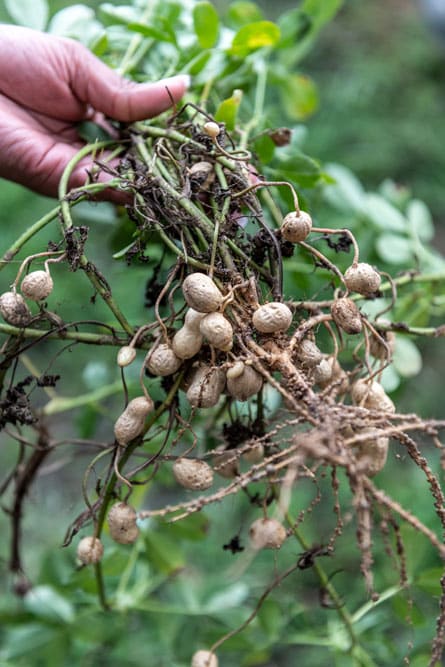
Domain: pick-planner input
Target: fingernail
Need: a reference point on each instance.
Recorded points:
(187, 79)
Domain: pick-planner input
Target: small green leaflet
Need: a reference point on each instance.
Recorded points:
(30, 13)
(206, 24)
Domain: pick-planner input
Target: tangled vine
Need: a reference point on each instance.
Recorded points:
(223, 333)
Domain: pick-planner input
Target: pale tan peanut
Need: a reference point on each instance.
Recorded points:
(267, 534)
(204, 659)
(187, 342)
(254, 454)
(308, 353)
(162, 360)
(371, 455)
(296, 226)
(245, 385)
(211, 129)
(378, 349)
(193, 474)
(122, 523)
(347, 316)
(201, 293)
(371, 395)
(14, 310)
(126, 356)
(218, 331)
(37, 285)
(272, 317)
(90, 550)
(206, 386)
(362, 278)
(193, 318)
(131, 422)
(226, 464)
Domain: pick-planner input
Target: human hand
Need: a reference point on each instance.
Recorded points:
(47, 85)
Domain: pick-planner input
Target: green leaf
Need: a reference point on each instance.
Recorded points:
(206, 24)
(407, 359)
(163, 552)
(300, 168)
(242, 13)
(429, 580)
(26, 639)
(394, 249)
(419, 217)
(151, 32)
(347, 194)
(77, 22)
(193, 527)
(299, 95)
(264, 147)
(383, 214)
(321, 11)
(30, 13)
(231, 597)
(228, 110)
(300, 27)
(46, 603)
(120, 15)
(254, 36)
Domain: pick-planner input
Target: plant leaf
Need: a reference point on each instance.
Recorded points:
(206, 24)
(228, 110)
(30, 13)
(254, 36)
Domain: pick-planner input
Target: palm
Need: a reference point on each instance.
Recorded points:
(48, 85)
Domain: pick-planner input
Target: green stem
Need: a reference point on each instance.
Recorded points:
(27, 235)
(67, 223)
(60, 404)
(130, 449)
(62, 334)
(327, 585)
(131, 58)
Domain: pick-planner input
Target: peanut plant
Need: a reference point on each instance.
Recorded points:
(258, 371)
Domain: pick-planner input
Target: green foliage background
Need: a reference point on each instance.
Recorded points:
(375, 94)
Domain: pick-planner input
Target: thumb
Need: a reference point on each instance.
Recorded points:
(104, 89)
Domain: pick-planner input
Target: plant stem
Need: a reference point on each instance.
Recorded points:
(62, 334)
(327, 585)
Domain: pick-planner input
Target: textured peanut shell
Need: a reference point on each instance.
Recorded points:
(254, 454)
(379, 350)
(193, 474)
(201, 293)
(126, 356)
(163, 361)
(206, 387)
(90, 550)
(212, 129)
(347, 316)
(308, 353)
(362, 278)
(272, 317)
(226, 464)
(247, 384)
(371, 455)
(14, 310)
(186, 342)
(267, 534)
(122, 523)
(192, 319)
(204, 659)
(37, 285)
(218, 331)
(371, 395)
(131, 422)
(296, 226)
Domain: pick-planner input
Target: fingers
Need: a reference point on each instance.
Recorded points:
(96, 84)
